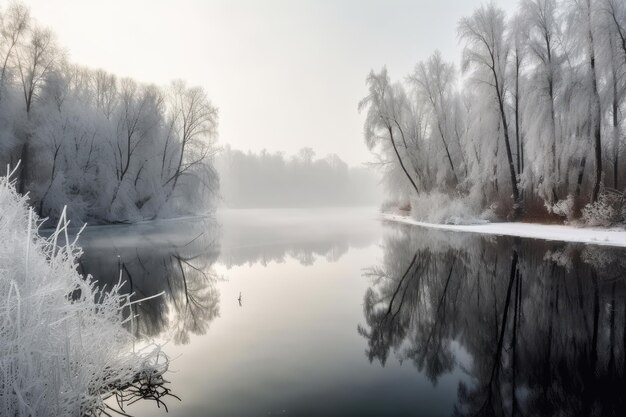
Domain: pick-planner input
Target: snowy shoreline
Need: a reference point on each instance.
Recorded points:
(564, 233)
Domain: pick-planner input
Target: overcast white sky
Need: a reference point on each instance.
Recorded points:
(284, 74)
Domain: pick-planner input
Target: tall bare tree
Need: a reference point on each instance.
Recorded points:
(487, 52)
(14, 23)
(35, 59)
(381, 125)
(194, 122)
(434, 82)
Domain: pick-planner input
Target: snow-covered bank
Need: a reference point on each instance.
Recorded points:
(595, 236)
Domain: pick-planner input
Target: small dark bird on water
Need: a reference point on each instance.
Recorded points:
(239, 299)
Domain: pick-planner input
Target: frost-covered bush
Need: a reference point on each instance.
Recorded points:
(443, 208)
(609, 210)
(63, 344)
(563, 208)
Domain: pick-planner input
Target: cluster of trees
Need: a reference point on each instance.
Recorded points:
(299, 181)
(543, 322)
(536, 118)
(109, 148)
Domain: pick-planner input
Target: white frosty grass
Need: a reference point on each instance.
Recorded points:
(63, 345)
(609, 237)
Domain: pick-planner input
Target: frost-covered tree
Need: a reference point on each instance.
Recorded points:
(111, 149)
(517, 39)
(13, 25)
(193, 126)
(36, 58)
(543, 36)
(613, 54)
(385, 106)
(434, 83)
(596, 108)
(486, 53)
(536, 116)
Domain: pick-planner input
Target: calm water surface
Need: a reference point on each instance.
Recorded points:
(333, 313)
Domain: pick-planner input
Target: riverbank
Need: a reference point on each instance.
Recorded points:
(564, 233)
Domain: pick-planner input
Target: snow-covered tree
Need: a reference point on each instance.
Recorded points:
(486, 54)
(534, 125)
(110, 149)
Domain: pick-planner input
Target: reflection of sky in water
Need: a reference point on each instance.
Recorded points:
(306, 283)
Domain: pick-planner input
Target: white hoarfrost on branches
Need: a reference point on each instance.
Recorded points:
(103, 148)
(63, 343)
(534, 128)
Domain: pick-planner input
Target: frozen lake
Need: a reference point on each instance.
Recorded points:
(332, 312)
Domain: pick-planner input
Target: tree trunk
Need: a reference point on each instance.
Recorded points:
(616, 126)
(393, 143)
(517, 124)
(581, 172)
(509, 155)
(596, 113)
(445, 145)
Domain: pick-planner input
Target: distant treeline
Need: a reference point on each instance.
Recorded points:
(535, 128)
(109, 148)
(273, 180)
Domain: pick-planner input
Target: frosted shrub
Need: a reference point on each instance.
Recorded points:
(392, 205)
(388, 205)
(563, 208)
(63, 344)
(609, 210)
(442, 208)
(490, 213)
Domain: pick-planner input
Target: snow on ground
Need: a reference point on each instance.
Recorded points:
(594, 236)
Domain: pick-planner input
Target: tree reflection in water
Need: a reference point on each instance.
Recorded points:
(176, 262)
(543, 322)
